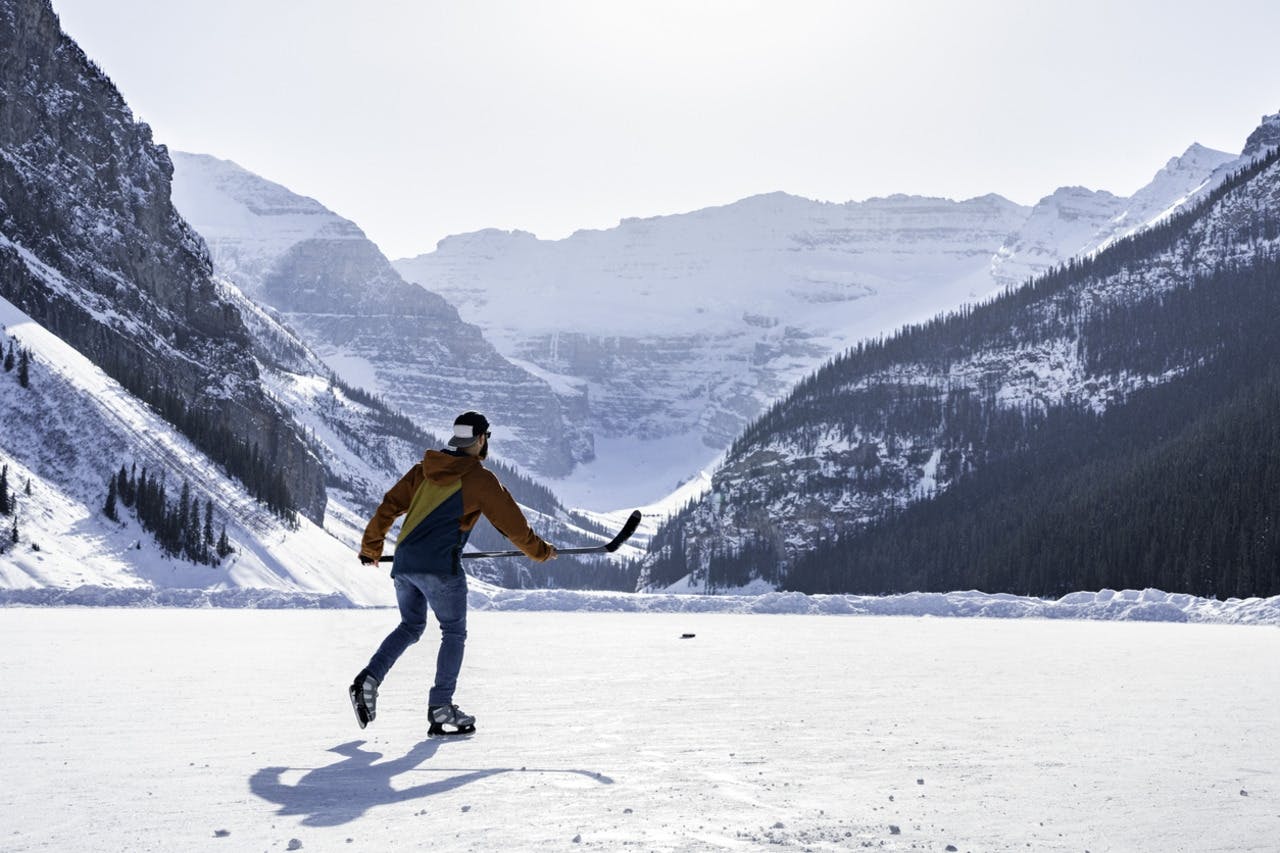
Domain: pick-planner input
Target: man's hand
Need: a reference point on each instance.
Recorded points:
(368, 561)
(553, 553)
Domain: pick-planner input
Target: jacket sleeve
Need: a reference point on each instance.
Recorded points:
(504, 513)
(395, 503)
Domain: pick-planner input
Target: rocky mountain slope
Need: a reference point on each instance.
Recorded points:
(92, 249)
(320, 275)
(673, 333)
(894, 423)
(67, 434)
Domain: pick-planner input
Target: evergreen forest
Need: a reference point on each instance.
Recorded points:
(1176, 486)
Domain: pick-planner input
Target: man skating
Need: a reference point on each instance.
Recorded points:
(441, 498)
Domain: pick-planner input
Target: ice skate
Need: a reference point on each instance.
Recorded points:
(449, 720)
(364, 697)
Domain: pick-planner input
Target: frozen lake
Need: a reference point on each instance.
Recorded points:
(230, 730)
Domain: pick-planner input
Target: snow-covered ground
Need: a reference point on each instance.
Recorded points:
(230, 730)
(1129, 605)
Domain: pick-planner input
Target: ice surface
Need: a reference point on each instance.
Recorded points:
(225, 730)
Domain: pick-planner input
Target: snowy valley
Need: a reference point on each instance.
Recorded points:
(675, 333)
(274, 350)
(960, 522)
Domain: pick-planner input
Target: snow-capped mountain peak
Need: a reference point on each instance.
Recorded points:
(247, 221)
(334, 287)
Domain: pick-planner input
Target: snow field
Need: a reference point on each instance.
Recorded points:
(230, 730)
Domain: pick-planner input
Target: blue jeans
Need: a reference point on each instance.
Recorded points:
(447, 597)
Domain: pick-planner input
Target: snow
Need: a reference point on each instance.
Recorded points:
(1147, 605)
(227, 730)
(247, 222)
(722, 310)
(628, 472)
(668, 335)
(73, 429)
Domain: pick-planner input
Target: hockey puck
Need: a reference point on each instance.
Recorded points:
(687, 636)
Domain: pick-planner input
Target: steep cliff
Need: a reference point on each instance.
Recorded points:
(93, 250)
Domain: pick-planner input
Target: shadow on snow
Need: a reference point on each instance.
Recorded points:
(342, 792)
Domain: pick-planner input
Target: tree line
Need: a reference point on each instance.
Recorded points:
(1176, 487)
(19, 359)
(15, 358)
(10, 534)
(209, 431)
(182, 527)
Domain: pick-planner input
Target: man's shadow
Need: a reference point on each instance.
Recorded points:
(345, 790)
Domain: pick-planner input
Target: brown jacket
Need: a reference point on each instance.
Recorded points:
(442, 498)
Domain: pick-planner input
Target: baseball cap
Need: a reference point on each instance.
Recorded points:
(467, 428)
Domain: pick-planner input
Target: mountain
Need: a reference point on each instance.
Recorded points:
(92, 250)
(318, 273)
(63, 439)
(673, 333)
(1075, 221)
(160, 432)
(1112, 424)
(367, 362)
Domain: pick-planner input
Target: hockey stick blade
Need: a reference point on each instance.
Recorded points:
(633, 521)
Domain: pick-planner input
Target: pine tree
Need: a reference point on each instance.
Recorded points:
(208, 524)
(5, 506)
(8, 358)
(224, 547)
(24, 368)
(122, 486)
(13, 537)
(142, 500)
(109, 509)
(188, 528)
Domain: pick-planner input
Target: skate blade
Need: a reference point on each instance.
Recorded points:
(438, 730)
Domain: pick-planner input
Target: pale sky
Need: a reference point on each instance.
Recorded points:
(418, 119)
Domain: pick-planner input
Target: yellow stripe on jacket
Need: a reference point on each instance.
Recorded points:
(425, 501)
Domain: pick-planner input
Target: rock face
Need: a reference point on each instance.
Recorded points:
(1265, 137)
(322, 277)
(92, 249)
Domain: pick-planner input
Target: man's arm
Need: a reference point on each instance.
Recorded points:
(504, 514)
(395, 503)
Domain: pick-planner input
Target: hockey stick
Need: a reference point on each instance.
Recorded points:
(633, 521)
